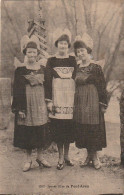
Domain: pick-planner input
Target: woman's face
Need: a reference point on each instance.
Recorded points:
(62, 47)
(31, 54)
(82, 54)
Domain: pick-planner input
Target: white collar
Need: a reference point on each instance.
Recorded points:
(58, 56)
(34, 67)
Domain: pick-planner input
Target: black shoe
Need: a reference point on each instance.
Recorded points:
(60, 166)
(69, 163)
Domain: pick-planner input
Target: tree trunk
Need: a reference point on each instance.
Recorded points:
(5, 102)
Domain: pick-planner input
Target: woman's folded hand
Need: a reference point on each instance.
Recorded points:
(103, 109)
(50, 106)
(22, 115)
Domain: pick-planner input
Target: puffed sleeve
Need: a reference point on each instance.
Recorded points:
(48, 76)
(101, 86)
(19, 94)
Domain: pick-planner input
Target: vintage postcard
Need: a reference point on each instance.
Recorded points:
(62, 97)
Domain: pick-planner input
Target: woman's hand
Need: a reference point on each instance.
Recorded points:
(50, 106)
(22, 115)
(103, 109)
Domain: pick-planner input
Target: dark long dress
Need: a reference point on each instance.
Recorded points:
(28, 97)
(90, 96)
(60, 89)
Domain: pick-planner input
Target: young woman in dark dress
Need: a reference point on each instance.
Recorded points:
(90, 103)
(29, 106)
(59, 90)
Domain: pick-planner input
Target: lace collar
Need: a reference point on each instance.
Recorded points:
(81, 65)
(34, 67)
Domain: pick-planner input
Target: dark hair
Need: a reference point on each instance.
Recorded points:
(30, 45)
(81, 44)
(63, 38)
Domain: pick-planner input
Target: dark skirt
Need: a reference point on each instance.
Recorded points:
(31, 137)
(91, 136)
(62, 130)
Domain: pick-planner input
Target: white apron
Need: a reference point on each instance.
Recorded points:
(63, 90)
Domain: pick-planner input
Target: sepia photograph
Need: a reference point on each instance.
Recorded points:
(62, 97)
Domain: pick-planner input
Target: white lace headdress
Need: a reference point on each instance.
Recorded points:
(86, 39)
(25, 40)
(59, 32)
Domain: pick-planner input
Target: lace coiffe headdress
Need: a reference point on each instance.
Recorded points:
(62, 34)
(85, 39)
(26, 40)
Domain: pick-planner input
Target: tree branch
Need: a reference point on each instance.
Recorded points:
(76, 20)
(66, 13)
(95, 16)
(87, 11)
(15, 30)
(105, 26)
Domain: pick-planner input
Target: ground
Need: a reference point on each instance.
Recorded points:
(70, 180)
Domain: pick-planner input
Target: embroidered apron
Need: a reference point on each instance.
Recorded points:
(63, 90)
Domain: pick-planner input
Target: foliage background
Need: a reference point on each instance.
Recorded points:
(102, 19)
